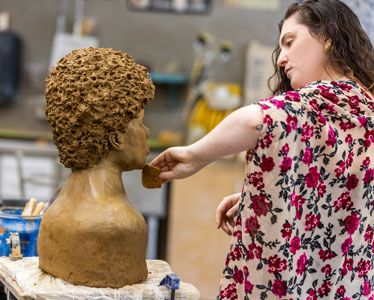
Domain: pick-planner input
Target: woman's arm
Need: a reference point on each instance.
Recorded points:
(238, 132)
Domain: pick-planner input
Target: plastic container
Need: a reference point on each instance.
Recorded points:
(27, 228)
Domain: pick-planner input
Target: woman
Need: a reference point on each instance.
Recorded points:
(92, 235)
(304, 219)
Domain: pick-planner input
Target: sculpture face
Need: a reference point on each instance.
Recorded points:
(135, 148)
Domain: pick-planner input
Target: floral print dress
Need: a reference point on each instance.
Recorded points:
(305, 222)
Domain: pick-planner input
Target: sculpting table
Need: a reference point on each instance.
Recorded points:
(26, 281)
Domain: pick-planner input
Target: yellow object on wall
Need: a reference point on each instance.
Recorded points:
(219, 100)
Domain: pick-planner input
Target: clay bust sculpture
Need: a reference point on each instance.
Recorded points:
(92, 235)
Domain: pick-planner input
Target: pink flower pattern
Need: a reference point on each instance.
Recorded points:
(305, 222)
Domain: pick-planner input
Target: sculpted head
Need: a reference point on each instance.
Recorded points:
(92, 96)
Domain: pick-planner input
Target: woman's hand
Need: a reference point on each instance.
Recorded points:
(177, 162)
(226, 212)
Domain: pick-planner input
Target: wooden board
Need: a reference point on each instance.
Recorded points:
(11, 285)
(31, 283)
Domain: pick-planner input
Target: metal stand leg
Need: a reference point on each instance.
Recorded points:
(19, 158)
(152, 237)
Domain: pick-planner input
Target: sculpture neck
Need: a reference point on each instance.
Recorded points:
(101, 182)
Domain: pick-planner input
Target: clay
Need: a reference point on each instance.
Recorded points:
(92, 235)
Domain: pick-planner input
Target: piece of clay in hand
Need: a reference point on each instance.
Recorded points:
(150, 178)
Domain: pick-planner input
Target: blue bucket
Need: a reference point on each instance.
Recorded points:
(27, 228)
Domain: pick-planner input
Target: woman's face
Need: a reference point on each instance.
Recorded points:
(302, 55)
(136, 147)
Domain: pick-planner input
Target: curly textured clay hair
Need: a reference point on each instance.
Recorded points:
(352, 51)
(91, 93)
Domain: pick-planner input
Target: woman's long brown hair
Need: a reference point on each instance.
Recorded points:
(352, 51)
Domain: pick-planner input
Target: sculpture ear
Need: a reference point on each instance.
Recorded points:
(116, 140)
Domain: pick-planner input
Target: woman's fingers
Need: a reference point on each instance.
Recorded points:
(167, 176)
(232, 223)
(159, 161)
(225, 228)
(226, 212)
(166, 159)
(221, 212)
(218, 219)
(233, 210)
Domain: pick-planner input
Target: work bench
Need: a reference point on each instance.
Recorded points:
(23, 280)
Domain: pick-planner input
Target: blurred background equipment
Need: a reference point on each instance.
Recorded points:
(364, 9)
(204, 57)
(217, 101)
(27, 228)
(254, 4)
(21, 224)
(208, 103)
(171, 6)
(258, 68)
(14, 244)
(10, 61)
(64, 42)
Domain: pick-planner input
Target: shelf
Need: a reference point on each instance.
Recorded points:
(172, 81)
(168, 78)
